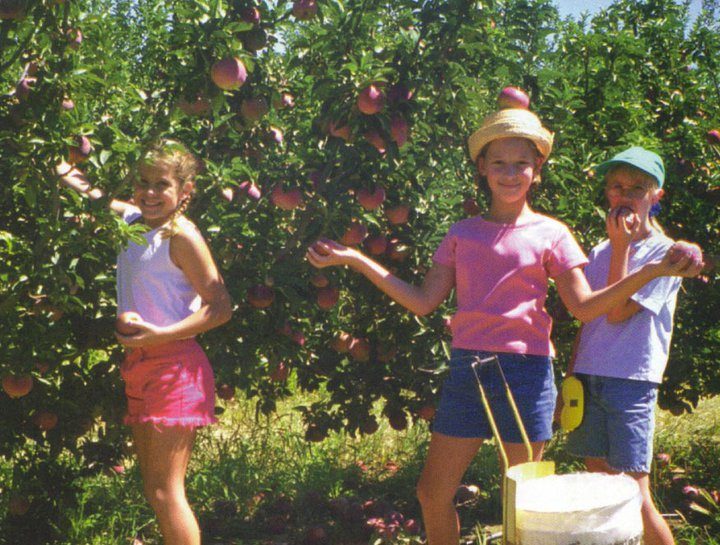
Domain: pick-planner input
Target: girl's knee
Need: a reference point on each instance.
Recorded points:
(431, 495)
(160, 497)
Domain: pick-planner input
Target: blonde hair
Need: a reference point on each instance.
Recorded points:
(183, 166)
(649, 179)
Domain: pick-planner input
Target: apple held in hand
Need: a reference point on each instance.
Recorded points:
(125, 323)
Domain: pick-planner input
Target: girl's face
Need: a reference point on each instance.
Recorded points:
(510, 166)
(626, 186)
(157, 193)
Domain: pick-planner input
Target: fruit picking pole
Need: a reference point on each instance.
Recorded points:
(488, 411)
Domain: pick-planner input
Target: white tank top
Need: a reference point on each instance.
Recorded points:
(149, 283)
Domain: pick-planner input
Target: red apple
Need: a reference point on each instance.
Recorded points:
(227, 193)
(371, 201)
(360, 350)
(691, 492)
(287, 200)
(17, 385)
(319, 280)
(679, 250)
(466, 493)
(80, 151)
(304, 10)
(75, 38)
(397, 250)
(354, 234)
(399, 130)
(250, 15)
(296, 336)
(45, 420)
(280, 372)
(662, 459)
(24, 86)
(260, 296)
(229, 73)
(339, 131)
(371, 100)
(399, 93)
(713, 137)
(412, 527)
(398, 214)
(276, 135)
(341, 342)
(376, 245)
(124, 323)
(327, 297)
(513, 97)
(197, 106)
(427, 412)
(250, 190)
(67, 104)
(225, 392)
(253, 109)
(375, 140)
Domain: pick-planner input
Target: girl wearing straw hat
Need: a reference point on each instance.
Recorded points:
(499, 264)
(621, 357)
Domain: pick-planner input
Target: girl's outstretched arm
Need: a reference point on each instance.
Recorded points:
(189, 251)
(586, 305)
(420, 300)
(75, 179)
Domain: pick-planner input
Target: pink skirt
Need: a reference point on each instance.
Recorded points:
(170, 384)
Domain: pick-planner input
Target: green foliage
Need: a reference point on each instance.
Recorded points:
(635, 73)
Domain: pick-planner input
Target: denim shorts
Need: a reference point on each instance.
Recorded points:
(531, 380)
(618, 422)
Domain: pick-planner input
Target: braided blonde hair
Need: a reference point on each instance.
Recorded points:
(184, 167)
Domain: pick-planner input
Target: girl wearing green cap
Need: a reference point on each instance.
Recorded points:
(620, 357)
(499, 265)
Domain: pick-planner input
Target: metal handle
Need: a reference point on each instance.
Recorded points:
(488, 411)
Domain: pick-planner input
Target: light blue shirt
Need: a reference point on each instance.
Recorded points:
(638, 347)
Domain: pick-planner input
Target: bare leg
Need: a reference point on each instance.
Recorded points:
(447, 460)
(164, 453)
(656, 530)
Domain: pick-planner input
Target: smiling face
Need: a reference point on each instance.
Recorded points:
(630, 187)
(158, 193)
(510, 166)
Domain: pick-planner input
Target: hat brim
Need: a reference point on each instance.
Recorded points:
(511, 123)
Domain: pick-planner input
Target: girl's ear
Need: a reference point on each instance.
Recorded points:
(659, 194)
(481, 166)
(187, 188)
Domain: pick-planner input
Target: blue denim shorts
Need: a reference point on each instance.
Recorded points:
(618, 422)
(461, 414)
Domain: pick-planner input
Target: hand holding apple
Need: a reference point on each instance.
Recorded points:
(622, 225)
(683, 248)
(327, 253)
(680, 260)
(146, 334)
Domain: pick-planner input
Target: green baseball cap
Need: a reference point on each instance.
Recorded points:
(647, 161)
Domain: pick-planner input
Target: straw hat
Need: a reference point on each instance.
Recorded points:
(508, 123)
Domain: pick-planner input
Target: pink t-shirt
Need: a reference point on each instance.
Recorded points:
(501, 280)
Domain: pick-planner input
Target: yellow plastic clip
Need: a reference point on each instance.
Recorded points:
(573, 403)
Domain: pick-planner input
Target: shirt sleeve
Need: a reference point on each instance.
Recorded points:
(656, 293)
(130, 214)
(445, 253)
(565, 254)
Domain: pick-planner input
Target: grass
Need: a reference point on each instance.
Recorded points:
(259, 482)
